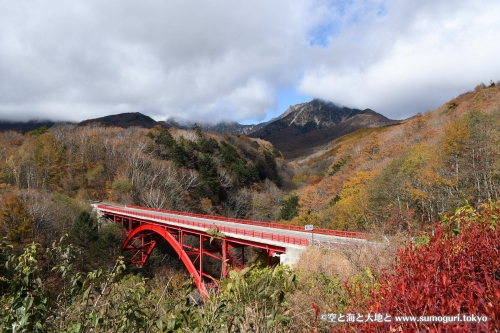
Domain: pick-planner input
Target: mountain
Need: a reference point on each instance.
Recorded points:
(308, 125)
(231, 127)
(125, 120)
(24, 126)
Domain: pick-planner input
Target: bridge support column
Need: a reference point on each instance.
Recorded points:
(224, 258)
(201, 256)
(291, 256)
(243, 255)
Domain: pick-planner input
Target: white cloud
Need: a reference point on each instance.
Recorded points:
(158, 57)
(209, 61)
(442, 50)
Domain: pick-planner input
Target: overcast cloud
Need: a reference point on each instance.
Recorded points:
(227, 60)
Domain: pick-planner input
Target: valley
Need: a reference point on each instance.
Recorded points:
(317, 164)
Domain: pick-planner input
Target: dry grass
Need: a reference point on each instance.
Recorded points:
(321, 276)
(315, 260)
(348, 260)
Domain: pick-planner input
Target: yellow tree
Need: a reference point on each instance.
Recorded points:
(48, 156)
(423, 178)
(310, 201)
(16, 221)
(351, 211)
(372, 148)
(455, 138)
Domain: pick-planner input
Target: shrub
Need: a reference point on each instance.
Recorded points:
(122, 185)
(253, 302)
(455, 272)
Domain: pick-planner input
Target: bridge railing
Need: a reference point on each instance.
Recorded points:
(226, 229)
(322, 231)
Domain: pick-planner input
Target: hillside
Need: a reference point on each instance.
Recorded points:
(125, 120)
(410, 173)
(308, 125)
(185, 170)
(394, 182)
(223, 127)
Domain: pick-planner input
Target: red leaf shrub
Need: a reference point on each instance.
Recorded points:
(448, 276)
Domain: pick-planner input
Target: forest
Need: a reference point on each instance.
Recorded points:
(402, 178)
(426, 190)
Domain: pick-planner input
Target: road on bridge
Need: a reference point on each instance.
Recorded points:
(262, 227)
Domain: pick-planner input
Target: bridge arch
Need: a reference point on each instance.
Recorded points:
(163, 232)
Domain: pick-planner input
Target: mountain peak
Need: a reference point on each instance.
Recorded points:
(307, 125)
(125, 120)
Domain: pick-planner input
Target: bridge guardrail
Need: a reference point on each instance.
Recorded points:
(238, 231)
(322, 231)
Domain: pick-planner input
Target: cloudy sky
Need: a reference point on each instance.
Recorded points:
(243, 61)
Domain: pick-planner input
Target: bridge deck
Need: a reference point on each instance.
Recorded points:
(255, 231)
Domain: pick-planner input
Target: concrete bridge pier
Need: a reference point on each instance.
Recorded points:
(292, 255)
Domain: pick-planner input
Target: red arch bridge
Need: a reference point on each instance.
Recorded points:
(145, 227)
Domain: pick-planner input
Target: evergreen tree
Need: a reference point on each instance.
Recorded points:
(84, 231)
(290, 207)
(208, 172)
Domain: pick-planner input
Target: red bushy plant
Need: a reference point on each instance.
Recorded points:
(456, 272)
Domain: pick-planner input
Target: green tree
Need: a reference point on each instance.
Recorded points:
(39, 131)
(84, 231)
(290, 207)
(26, 305)
(272, 172)
(165, 139)
(229, 154)
(208, 172)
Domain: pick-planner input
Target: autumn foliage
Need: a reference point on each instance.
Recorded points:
(401, 178)
(393, 182)
(15, 221)
(455, 272)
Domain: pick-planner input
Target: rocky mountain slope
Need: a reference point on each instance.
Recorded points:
(308, 125)
(223, 127)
